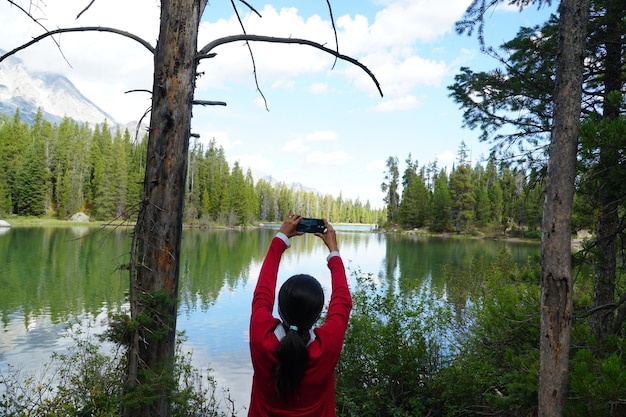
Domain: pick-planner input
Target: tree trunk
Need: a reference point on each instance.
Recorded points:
(556, 271)
(155, 255)
(605, 261)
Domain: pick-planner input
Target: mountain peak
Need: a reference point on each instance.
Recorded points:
(54, 94)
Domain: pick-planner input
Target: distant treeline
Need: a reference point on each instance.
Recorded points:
(57, 170)
(491, 197)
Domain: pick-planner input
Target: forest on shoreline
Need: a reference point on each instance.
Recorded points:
(54, 171)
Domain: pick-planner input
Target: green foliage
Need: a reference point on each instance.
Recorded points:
(83, 381)
(597, 383)
(491, 199)
(87, 381)
(30, 189)
(391, 352)
(474, 354)
(496, 369)
(61, 169)
(418, 355)
(390, 188)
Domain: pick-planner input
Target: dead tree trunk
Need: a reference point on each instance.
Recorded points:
(556, 271)
(155, 255)
(605, 261)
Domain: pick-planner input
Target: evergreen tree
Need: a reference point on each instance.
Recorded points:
(14, 140)
(102, 183)
(237, 194)
(441, 204)
(263, 191)
(61, 169)
(119, 172)
(483, 206)
(462, 192)
(494, 193)
(31, 182)
(413, 210)
(390, 188)
(252, 212)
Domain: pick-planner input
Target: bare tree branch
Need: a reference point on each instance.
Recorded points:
(250, 7)
(209, 103)
(138, 127)
(85, 9)
(258, 38)
(332, 21)
(30, 16)
(256, 78)
(78, 29)
(138, 90)
(199, 57)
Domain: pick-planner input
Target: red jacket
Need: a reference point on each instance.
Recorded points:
(317, 390)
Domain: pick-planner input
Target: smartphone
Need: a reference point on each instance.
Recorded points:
(308, 225)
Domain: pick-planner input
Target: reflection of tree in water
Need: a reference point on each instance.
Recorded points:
(212, 259)
(413, 261)
(51, 271)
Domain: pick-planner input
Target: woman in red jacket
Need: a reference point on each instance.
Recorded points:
(294, 363)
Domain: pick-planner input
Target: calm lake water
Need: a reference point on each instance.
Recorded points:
(49, 276)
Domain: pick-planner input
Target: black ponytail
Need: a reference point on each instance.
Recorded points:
(300, 302)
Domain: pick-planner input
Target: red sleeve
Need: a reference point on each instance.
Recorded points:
(340, 300)
(264, 293)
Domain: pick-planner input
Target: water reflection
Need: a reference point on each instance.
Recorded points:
(50, 275)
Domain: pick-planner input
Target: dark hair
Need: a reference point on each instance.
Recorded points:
(300, 302)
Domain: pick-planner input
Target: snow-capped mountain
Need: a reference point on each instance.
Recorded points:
(53, 93)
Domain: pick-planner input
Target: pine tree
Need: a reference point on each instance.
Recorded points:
(102, 184)
(390, 188)
(441, 203)
(13, 144)
(31, 182)
(119, 172)
(462, 193)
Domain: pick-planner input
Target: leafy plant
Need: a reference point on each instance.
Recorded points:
(393, 348)
(87, 381)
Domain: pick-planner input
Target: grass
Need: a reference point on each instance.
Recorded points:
(32, 221)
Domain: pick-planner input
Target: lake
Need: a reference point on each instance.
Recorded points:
(49, 276)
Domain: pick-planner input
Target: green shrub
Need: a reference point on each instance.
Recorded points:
(470, 350)
(86, 381)
(392, 350)
(597, 383)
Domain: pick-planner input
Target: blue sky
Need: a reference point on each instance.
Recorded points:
(327, 128)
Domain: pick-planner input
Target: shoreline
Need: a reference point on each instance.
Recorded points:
(577, 240)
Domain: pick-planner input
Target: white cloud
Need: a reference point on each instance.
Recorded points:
(397, 73)
(221, 138)
(101, 65)
(284, 84)
(259, 165)
(259, 102)
(377, 165)
(297, 146)
(400, 22)
(324, 158)
(386, 43)
(397, 104)
(321, 135)
(318, 88)
(446, 157)
(301, 145)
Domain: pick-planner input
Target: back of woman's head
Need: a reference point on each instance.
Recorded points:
(300, 302)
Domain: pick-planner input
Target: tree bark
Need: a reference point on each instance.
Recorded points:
(155, 257)
(556, 271)
(605, 262)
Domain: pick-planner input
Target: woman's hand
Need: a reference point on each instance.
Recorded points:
(329, 237)
(289, 225)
